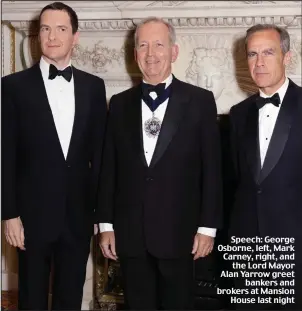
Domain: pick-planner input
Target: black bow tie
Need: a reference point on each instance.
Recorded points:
(66, 73)
(162, 94)
(158, 89)
(261, 101)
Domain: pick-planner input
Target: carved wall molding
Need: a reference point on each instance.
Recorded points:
(2, 51)
(233, 21)
(28, 10)
(193, 23)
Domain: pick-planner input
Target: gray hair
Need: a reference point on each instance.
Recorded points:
(153, 19)
(284, 36)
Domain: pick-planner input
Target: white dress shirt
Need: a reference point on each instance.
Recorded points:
(149, 147)
(60, 94)
(267, 119)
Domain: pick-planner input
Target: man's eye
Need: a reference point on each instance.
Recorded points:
(268, 53)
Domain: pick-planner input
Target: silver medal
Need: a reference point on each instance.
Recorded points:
(152, 127)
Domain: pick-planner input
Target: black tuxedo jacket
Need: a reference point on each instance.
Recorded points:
(160, 207)
(268, 201)
(38, 184)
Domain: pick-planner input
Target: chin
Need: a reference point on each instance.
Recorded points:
(54, 56)
(261, 82)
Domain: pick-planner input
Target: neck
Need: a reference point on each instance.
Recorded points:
(272, 89)
(60, 63)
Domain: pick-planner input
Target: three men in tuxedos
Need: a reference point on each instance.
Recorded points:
(53, 121)
(160, 196)
(267, 149)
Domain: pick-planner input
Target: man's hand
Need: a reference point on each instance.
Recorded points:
(203, 245)
(107, 244)
(14, 232)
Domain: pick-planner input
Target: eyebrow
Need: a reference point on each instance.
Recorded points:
(43, 25)
(60, 26)
(269, 50)
(265, 50)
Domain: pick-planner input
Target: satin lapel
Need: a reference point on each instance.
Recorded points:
(44, 110)
(172, 118)
(281, 131)
(133, 122)
(252, 142)
(82, 97)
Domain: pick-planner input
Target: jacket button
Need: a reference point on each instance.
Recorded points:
(69, 166)
(259, 191)
(89, 164)
(149, 179)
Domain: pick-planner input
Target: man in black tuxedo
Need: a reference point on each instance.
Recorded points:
(53, 121)
(161, 181)
(267, 149)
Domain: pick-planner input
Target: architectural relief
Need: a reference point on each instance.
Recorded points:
(110, 58)
(106, 25)
(208, 69)
(294, 68)
(212, 67)
(167, 3)
(2, 51)
(197, 22)
(258, 2)
(99, 59)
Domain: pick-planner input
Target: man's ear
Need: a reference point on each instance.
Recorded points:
(76, 38)
(287, 58)
(175, 51)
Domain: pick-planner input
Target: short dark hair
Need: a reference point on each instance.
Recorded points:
(59, 6)
(284, 36)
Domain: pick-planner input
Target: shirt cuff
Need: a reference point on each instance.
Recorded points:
(207, 231)
(105, 227)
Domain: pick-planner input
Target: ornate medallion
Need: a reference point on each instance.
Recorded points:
(152, 127)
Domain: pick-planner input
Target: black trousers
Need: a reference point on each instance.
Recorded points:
(69, 255)
(151, 283)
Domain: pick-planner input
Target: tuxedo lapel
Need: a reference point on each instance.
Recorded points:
(44, 110)
(252, 142)
(281, 131)
(82, 106)
(172, 118)
(134, 123)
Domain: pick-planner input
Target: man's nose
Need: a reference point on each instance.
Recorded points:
(259, 61)
(150, 50)
(51, 35)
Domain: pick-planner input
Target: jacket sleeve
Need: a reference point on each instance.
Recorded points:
(107, 184)
(211, 179)
(9, 151)
(99, 121)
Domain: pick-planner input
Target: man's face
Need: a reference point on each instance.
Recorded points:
(266, 61)
(154, 52)
(56, 37)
